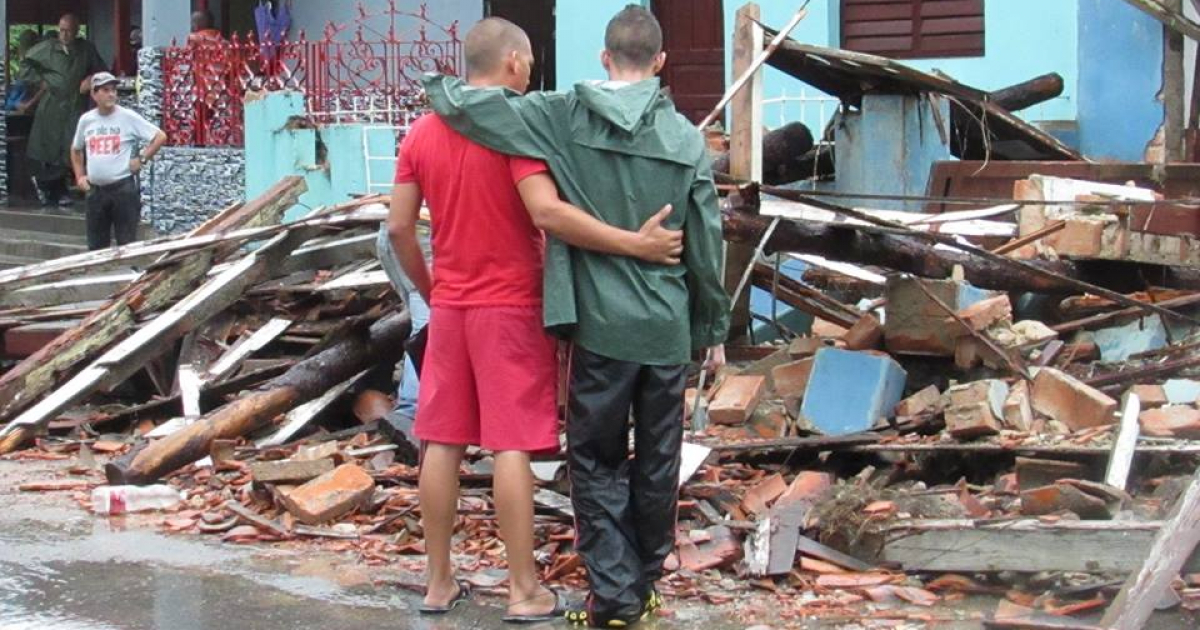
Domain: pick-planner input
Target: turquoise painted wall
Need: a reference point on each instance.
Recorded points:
(1121, 60)
(351, 152)
(1016, 48)
(579, 38)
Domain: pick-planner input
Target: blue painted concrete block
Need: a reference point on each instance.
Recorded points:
(1120, 342)
(849, 392)
(1182, 391)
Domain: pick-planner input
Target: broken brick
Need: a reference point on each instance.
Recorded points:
(1035, 473)
(804, 347)
(736, 399)
(965, 422)
(1063, 497)
(1172, 421)
(928, 399)
(982, 314)
(916, 324)
(769, 423)
(991, 392)
(808, 485)
(791, 379)
(823, 328)
(331, 495)
(1150, 396)
(1068, 400)
(290, 470)
(1018, 411)
(865, 334)
(759, 498)
(721, 549)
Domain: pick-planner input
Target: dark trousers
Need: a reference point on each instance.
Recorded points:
(51, 178)
(625, 509)
(113, 209)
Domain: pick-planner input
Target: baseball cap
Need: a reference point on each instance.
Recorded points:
(103, 78)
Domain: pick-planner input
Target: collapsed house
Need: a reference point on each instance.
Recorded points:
(997, 393)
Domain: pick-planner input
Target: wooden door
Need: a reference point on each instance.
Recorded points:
(536, 17)
(694, 39)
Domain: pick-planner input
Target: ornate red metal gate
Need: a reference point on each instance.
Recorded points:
(366, 70)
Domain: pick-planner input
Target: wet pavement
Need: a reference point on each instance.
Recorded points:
(65, 569)
(62, 568)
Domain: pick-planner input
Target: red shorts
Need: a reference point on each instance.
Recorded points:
(489, 379)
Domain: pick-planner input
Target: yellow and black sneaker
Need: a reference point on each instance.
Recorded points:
(653, 602)
(582, 617)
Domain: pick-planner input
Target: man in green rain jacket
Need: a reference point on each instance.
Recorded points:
(620, 150)
(61, 66)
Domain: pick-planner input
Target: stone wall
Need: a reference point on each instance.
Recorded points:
(183, 186)
(3, 132)
(150, 84)
(186, 185)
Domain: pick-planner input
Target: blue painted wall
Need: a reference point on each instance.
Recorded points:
(1120, 75)
(579, 38)
(1016, 47)
(274, 151)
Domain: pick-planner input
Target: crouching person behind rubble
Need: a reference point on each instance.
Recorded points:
(617, 148)
(105, 139)
(488, 376)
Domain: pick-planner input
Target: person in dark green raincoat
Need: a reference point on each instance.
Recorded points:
(619, 150)
(62, 66)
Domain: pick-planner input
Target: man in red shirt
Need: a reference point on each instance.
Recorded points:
(489, 372)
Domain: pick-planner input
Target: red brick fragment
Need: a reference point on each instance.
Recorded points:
(736, 399)
(1070, 401)
(331, 495)
(1173, 421)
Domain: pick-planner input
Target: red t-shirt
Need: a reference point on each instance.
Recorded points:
(486, 249)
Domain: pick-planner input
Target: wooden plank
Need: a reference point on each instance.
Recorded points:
(246, 514)
(299, 417)
(1173, 550)
(1174, 20)
(125, 358)
(1124, 447)
(745, 148)
(26, 383)
(810, 547)
(1024, 545)
(245, 347)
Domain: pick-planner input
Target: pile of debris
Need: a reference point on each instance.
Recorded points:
(930, 441)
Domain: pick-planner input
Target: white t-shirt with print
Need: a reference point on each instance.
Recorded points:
(108, 142)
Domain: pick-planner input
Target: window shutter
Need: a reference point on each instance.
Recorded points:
(914, 28)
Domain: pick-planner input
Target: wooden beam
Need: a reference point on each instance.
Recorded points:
(1172, 551)
(1173, 87)
(745, 149)
(1024, 545)
(1174, 20)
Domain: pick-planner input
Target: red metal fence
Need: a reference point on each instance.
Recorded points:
(374, 75)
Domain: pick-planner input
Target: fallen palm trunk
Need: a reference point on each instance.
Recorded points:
(44, 370)
(303, 382)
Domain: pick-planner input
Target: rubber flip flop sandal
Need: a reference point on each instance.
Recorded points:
(555, 614)
(464, 594)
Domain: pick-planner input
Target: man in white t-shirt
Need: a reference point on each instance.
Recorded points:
(106, 136)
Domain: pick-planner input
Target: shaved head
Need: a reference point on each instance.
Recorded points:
(490, 42)
(633, 38)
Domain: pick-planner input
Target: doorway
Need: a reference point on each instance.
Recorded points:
(536, 17)
(694, 40)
